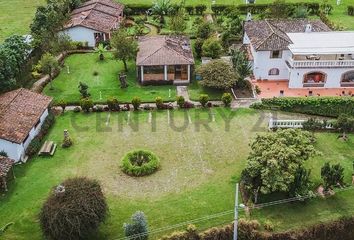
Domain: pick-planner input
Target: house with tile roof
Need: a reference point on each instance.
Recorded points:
(22, 113)
(164, 60)
(93, 21)
(304, 53)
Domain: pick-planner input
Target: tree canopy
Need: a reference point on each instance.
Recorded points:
(275, 159)
(217, 74)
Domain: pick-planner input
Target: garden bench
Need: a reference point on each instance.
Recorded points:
(48, 148)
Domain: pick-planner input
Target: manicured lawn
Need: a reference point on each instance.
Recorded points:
(106, 84)
(196, 179)
(194, 91)
(17, 15)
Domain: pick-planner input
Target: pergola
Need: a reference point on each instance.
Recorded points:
(6, 165)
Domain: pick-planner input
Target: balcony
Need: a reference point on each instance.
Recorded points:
(320, 63)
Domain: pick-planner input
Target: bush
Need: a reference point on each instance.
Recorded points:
(62, 103)
(200, 9)
(113, 104)
(323, 106)
(33, 147)
(86, 104)
(190, 9)
(136, 103)
(138, 9)
(198, 47)
(159, 103)
(226, 98)
(212, 48)
(140, 163)
(188, 105)
(351, 10)
(73, 210)
(203, 99)
(138, 228)
(180, 101)
(3, 153)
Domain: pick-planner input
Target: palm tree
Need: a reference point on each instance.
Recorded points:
(242, 66)
(161, 8)
(100, 50)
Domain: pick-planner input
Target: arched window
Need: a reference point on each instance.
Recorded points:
(316, 79)
(348, 77)
(273, 71)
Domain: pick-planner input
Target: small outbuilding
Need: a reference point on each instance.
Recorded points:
(22, 113)
(164, 60)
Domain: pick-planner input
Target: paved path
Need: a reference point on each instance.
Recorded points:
(183, 91)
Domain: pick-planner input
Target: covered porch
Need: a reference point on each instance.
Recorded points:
(176, 74)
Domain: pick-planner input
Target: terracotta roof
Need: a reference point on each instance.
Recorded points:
(100, 15)
(271, 34)
(164, 50)
(5, 165)
(20, 110)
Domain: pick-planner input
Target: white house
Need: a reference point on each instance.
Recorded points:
(93, 21)
(306, 53)
(22, 113)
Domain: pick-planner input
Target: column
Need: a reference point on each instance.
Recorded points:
(165, 73)
(142, 73)
(189, 73)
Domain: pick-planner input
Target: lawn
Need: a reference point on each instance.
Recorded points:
(195, 179)
(17, 15)
(106, 84)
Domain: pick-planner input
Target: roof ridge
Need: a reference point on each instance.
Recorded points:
(178, 53)
(152, 53)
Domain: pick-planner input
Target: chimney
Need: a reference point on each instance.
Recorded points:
(308, 28)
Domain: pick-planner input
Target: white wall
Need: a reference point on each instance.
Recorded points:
(263, 63)
(81, 34)
(332, 81)
(17, 151)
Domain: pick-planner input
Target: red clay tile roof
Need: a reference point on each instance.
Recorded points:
(100, 15)
(164, 50)
(271, 34)
(20, 110)
(5, 165)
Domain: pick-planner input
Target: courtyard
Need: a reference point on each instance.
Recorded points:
(202, 154)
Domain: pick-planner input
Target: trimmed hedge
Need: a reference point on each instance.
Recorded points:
(342, 229)
(323, 106)
(138, 9)
(351, 10)
(149, 165)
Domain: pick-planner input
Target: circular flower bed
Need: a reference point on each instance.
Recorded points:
(140, 163)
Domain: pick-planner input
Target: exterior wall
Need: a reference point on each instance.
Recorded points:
(263, 63)
(17, 151)
(163, 76)
(81, 34)
(333, 78)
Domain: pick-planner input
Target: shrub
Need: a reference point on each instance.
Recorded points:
(198, 47)
(86, 104)
(83, 89)
(226, 98)
(95, 73)
(268, 226)
(188, 105)
(323, 106)
(180, 101)
(200, 9)
(212, 48)
(62, 103)
(203, 99)
(190, 9)
(332, 175)
(159, 103)
(3, 153)
(140, 163)
(138, 228)
(351, 10)
(113, 104)
(33, 147)
(136, 103)
(73, 210)
(138, 9)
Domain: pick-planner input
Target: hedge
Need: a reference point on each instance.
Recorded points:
(130, 167)
(138, 9)
(351, 10)
(323, 106)
(342, 229)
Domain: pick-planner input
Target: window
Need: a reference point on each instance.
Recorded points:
(273, 71)
(315, 79)
(275, 54)
(348, 77)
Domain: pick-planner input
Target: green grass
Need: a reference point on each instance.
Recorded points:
(16, 15)
(195, 179)
(106, 84)
(195, 89)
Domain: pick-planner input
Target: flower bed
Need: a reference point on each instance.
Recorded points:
(140, 163)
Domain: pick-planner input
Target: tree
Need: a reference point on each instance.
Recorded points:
(312, 125)
(204, 30)
(300, 12)
(302, 183)
(48, 65)
(177, 23)
(83, 89)
(138, 228)
(212, 48)
(226, 98)
(100, 50)
(125, 47)
(345, 123)
(217, 74)
(162, 8)
(198, 47)
(274, 159)
(73, 210)
(241, 66)
(233, 28)
(279, 9)
(332, 175)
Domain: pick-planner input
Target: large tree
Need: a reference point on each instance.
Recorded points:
(217, 74)
(241, 65)
(124, 46)
(162, 8)
(345, 123)
(177, 23)
(275, 159)
(212, 48)
(49, 64)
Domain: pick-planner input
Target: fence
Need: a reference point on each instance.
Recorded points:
(275, 123)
